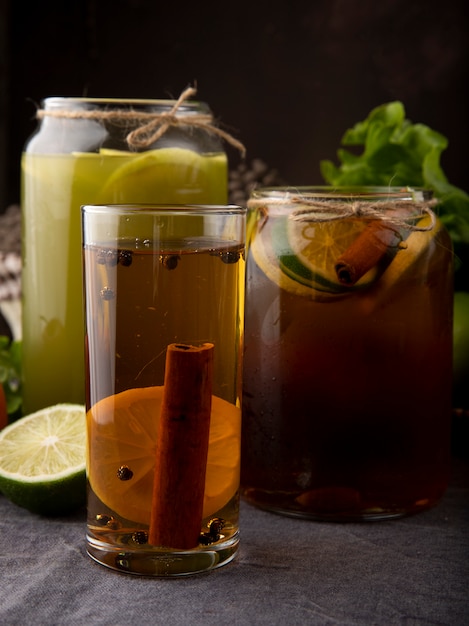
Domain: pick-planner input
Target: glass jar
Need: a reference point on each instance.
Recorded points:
(97, 151)
(347, 362)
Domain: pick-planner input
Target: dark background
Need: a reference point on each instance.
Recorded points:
(287, 78)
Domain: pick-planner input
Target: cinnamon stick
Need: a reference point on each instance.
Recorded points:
(182, 447)
(375, 242)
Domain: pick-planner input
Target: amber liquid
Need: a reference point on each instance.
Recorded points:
(139, 300)
(346, 400)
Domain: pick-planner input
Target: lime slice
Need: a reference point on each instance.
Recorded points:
(165, 176)
(42, 460)
(300, 256)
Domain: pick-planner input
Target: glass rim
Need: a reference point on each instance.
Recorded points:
(163, 209)
(344, 192)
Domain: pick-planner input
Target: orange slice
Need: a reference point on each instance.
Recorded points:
(123, 430)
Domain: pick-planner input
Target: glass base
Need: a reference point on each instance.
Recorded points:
(163, 562)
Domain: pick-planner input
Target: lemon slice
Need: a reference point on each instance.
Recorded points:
(300, 256)
(42, 460)
(123, 431)
(413, 251)
(165, 176)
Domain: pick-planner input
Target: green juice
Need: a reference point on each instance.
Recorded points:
(54, 188)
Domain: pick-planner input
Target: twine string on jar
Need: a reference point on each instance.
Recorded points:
(152, 125)
(397, 213)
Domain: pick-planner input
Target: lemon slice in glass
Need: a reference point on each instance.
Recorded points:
(410, 264)
(42, 460)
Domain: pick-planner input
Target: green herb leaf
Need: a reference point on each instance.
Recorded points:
(395, 152)
(10, 375)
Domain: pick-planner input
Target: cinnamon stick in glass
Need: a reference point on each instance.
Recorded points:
(182, 447)
(378, 240)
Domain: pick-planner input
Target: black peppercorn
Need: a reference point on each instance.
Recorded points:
(124, 473)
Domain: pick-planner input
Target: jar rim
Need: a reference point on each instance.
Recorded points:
(346, 192)
(71, 102)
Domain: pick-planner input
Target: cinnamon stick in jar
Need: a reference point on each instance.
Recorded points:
(376, 241)
(182, 447)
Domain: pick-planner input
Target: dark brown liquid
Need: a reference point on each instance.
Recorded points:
(346, 405)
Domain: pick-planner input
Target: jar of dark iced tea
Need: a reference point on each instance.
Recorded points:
(348, 352)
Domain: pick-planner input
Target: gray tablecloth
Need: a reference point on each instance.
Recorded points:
(408, 571)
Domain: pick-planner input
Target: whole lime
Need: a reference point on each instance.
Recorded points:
(461, 349)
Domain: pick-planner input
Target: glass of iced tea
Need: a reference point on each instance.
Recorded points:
(164, 307)
(348, 352)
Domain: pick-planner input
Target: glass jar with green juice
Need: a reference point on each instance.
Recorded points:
(98, 151)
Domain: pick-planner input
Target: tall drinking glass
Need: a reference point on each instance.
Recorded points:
(164, 300)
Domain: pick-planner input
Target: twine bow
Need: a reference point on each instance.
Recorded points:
(153, 125)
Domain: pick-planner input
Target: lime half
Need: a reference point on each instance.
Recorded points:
(42, 460)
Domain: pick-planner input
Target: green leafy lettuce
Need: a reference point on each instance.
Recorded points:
(397, 152)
